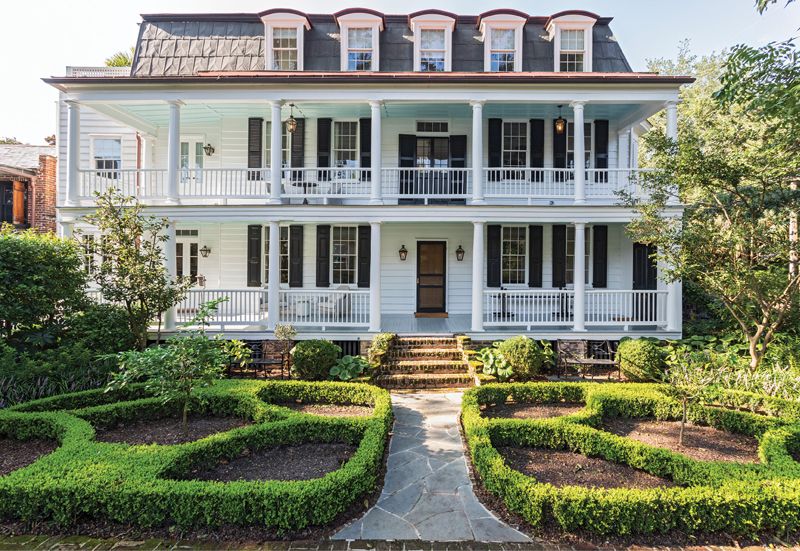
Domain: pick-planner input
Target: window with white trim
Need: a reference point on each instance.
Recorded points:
(432, 50)
(345, 144)
(286, 144)
(107, 154)
(570, 268)
(502, 50)
(344, 254)
(284, 254)
(573, 50)
(587, 144)
(359, 48)
(284, 49)
(515, 144)
(512, 255)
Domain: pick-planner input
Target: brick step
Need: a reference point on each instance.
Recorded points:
(423, 353)
(424, 380)
(433, 366)
(429, 342)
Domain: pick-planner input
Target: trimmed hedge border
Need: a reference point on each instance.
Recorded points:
(140, 485)
(714, 496)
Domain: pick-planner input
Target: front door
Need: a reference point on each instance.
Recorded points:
(192, 162)
(431, 277)
(645, 278)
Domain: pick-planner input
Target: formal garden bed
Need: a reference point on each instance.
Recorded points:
(255, 465)
(570, 475)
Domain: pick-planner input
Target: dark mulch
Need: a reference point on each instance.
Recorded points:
(564, 468)
(301, 462)
(699, 442)
(334, 410)
(532, 411)
(15, 454)
(169, 430)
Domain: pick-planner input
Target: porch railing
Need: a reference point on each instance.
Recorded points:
(426, 183)
(506, 307)
(150, 183)
(243, 307)
(233, 183)
(324, 308)
(525, 183)
(327, 182)
(608, 307)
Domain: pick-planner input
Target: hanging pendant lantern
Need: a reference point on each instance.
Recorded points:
(291, 122)
(561, 123)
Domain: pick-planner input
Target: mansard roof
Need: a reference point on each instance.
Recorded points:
(183, 45)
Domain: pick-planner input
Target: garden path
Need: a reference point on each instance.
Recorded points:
(427, 493)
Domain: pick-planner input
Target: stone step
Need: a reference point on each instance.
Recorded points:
(424, 353)
(424, 366)
(430, 342)
(424, 380)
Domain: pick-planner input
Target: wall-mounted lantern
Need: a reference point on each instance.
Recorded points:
(209, 149)
(205, 251)
(460, 253)
(403, 252)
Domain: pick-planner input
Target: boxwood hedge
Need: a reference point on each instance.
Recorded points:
(734, 498)
(142, 485)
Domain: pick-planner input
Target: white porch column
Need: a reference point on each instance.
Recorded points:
(477, 275)
(375, 276)
(73, 151)
(274, 282)
(579, 155)
(170, 265)
(477, 154)
(276, 153)
(376, 191)
(579, 279)
(173, 150)
(672, 120)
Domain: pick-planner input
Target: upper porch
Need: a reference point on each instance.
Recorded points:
(464, 147)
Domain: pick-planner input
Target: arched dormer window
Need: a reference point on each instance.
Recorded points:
(359, 30)
(571, 33)
(501, 31)
(433, 40)
(284, 31)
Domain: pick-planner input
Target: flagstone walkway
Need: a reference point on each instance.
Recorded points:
(427, 493)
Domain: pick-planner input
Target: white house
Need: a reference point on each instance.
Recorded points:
(418, 169)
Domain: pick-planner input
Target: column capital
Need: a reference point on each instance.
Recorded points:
(72, 102)
(671, 104)
(477, 223)
(477, 103)
(578, 104)
(375, 103)
(375, 223)
(276, 103)
(175, 103)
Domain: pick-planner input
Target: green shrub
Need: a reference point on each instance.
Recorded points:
(348, 368)
(525, 355)
(709, 497)
(313, 359)
(641, 360)
(100, 327)
(494, 363)
(379, 348)
(149, 486)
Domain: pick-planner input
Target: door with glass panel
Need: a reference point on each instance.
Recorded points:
(431, 277)
(191, 165)
(186, 254)
(433, 156)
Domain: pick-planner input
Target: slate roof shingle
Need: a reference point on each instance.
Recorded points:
(24, 156)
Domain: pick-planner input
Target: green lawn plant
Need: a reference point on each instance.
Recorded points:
(494, 363)
(709, 497)
(348, 368)
(151, 487)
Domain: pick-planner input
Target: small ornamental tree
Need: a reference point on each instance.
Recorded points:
(688, 377)
(132, 271)
(41, 280)
(187, 362)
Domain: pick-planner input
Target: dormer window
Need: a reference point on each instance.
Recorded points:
(432, 50)
(359, 32)
(433, 34)
(501, 31)
(571, 33)
(284, 31)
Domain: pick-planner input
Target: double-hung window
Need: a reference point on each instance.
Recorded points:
(432, 50)
(570, 269)
(284, 48)
(513, 248)
(107, 157)
(515, 144)
(359, 49)
(587, 144)
(286, 142)
(284, 253)
(573, 50)
(345, 144)
(502, 53)
(344, 254)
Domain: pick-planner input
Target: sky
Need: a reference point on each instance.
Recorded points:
(41, 37)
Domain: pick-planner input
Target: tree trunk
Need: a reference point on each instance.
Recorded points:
(683, 422)
(794, 252)
(185, 417)
(755, 354)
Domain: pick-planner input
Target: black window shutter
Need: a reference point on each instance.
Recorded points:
(365, 142)
(495, 143)
(298, 152)
(559, 256)
(324, 147)
(295, 256)
(601, 144)
(537, 143)
(255, 146)
(559, 148)
(600, 257)
(458, 159)
(493, 245)
(254, 252)
(534, 256)
(323, 256)
(364, 236)
(408, 150)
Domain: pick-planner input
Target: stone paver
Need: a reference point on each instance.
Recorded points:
(427, 493)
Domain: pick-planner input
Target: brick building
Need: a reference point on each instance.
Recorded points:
(28, 186)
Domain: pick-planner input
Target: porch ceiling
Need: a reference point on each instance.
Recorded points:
(157, 114)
